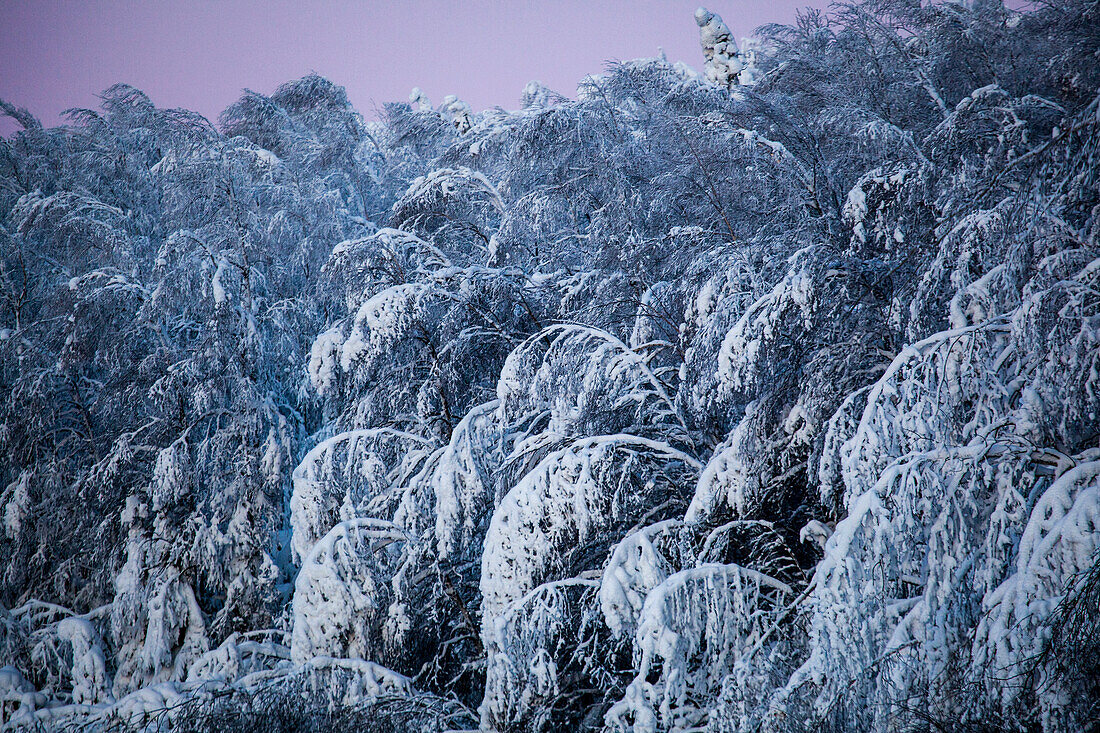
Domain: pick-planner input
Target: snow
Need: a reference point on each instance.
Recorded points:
(727, 479)
(419, 100)
(460, 113)
(723, 59)
(345, 476)
(461, 481)
(558, 504)
(352, 681)
(380, 321)
(324, 358)
(635, 568)
(240, 656)
(159, 629)
(758, 399)
(89, 669)
(523, 672)
(695, 627)
(1060, 540)
(217, 289)
(266, 158)
(339, 591)
(16, 502)
(18, 696)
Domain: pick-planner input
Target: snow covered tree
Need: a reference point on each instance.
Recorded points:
(761, 399)
(720, 50)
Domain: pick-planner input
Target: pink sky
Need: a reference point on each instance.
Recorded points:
(57, 54)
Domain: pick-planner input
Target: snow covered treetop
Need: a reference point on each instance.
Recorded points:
(723, 59)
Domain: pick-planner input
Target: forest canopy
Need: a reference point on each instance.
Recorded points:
(764, 397)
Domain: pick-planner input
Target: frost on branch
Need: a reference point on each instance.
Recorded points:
(561, 518)
(579, 380)
(419, 100)
(538, 95)
(457, 209)
(816, 296)
(725, 289)
(640, 562)
(962, 263)
(554, 521)
(729, 479)
(364, 267)
(432, 333)
(382, 322)
(347, 476)
(1059, 543)
(860, 279)
(954, 508)
(646, 557)
(342, 596)
(245, 660)
(462, 483)
(887, 212)
(698, 631)
(548, 655)
(755, 544)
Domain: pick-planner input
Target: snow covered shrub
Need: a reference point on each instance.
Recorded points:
(947, 463)
(793, 356)
(462, 485)
(641, 561)
(1059, 543)
(241, 657)
(364, 267)
(423, 350)
(567, 506)
(290, 708)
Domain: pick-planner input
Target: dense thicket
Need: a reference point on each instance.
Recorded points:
(759, 399)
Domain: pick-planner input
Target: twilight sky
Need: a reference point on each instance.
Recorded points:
(56, 54)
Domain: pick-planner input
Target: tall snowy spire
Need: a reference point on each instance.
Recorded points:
(723, 58)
